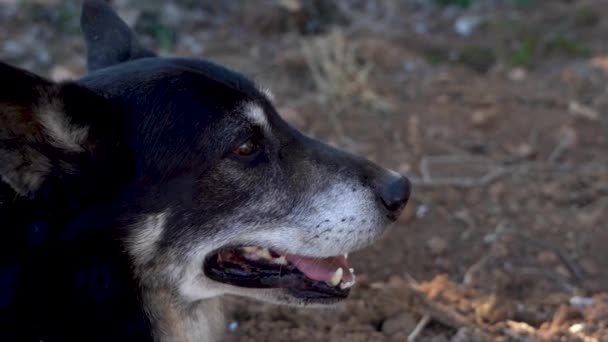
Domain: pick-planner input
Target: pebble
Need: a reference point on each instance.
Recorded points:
(581, 302)
(437, 245)
(233, 326)
(482, 118)
(422, 211)
(518, 74)
(466, 25)
(577, 328)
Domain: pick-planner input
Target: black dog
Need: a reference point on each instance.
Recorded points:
(132, 199)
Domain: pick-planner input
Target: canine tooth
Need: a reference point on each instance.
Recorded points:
(336, 278)
(347, 285)
(345, 255)
(250, 249)
(280, 260)
(351, 270)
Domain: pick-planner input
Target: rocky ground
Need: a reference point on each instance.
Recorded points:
(497, 110)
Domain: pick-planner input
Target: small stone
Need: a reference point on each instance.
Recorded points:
(524, 151)
(437, 245)
(577, 328)
(482, 118)
(518, 74)
(547, 258)
(581, 303)
(402, 322)
(421, 211)
(467, 24)
(233, 326)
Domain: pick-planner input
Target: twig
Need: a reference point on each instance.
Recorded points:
(498, 170)
(419, 327)
(464, 182)
(558, 151)
(572, 267)
(513, 329)
(428, 179)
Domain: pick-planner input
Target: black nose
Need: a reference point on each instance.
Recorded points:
(395, 193)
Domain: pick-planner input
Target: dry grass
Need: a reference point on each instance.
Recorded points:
(340, 77)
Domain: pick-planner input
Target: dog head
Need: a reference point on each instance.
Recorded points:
(221, 195)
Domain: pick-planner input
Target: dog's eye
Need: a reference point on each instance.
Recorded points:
(248, 148)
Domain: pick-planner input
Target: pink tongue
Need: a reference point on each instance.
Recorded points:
(321, 269)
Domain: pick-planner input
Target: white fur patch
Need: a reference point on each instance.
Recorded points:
(141, 242)
(269, 95)
(61, 131)
(256, 114)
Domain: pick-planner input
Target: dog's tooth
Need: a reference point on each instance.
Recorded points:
(264, 253)
(280, 260)
(351, 270)
(347, 285)
(345, 255)
(336, 278)
(250, 249)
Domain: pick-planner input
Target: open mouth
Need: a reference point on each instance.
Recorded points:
(313, 279)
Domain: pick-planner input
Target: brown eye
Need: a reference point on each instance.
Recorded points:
(246, 149)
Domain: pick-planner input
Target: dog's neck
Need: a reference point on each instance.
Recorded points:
(192, 322)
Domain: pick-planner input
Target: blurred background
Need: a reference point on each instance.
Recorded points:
(497, 110)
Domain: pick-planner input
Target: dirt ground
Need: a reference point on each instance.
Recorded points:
(497, 110)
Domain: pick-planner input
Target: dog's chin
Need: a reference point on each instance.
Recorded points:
(280, 278)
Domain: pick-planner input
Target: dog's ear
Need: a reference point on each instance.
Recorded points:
(108, 39)
(45, 128)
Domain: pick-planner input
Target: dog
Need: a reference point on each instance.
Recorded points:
(132, 199)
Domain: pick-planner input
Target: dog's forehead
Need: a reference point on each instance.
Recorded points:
(187, 75)
(203, 101)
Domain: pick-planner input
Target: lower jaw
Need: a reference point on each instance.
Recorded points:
(324, 296)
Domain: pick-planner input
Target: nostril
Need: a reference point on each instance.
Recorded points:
(395, 194)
